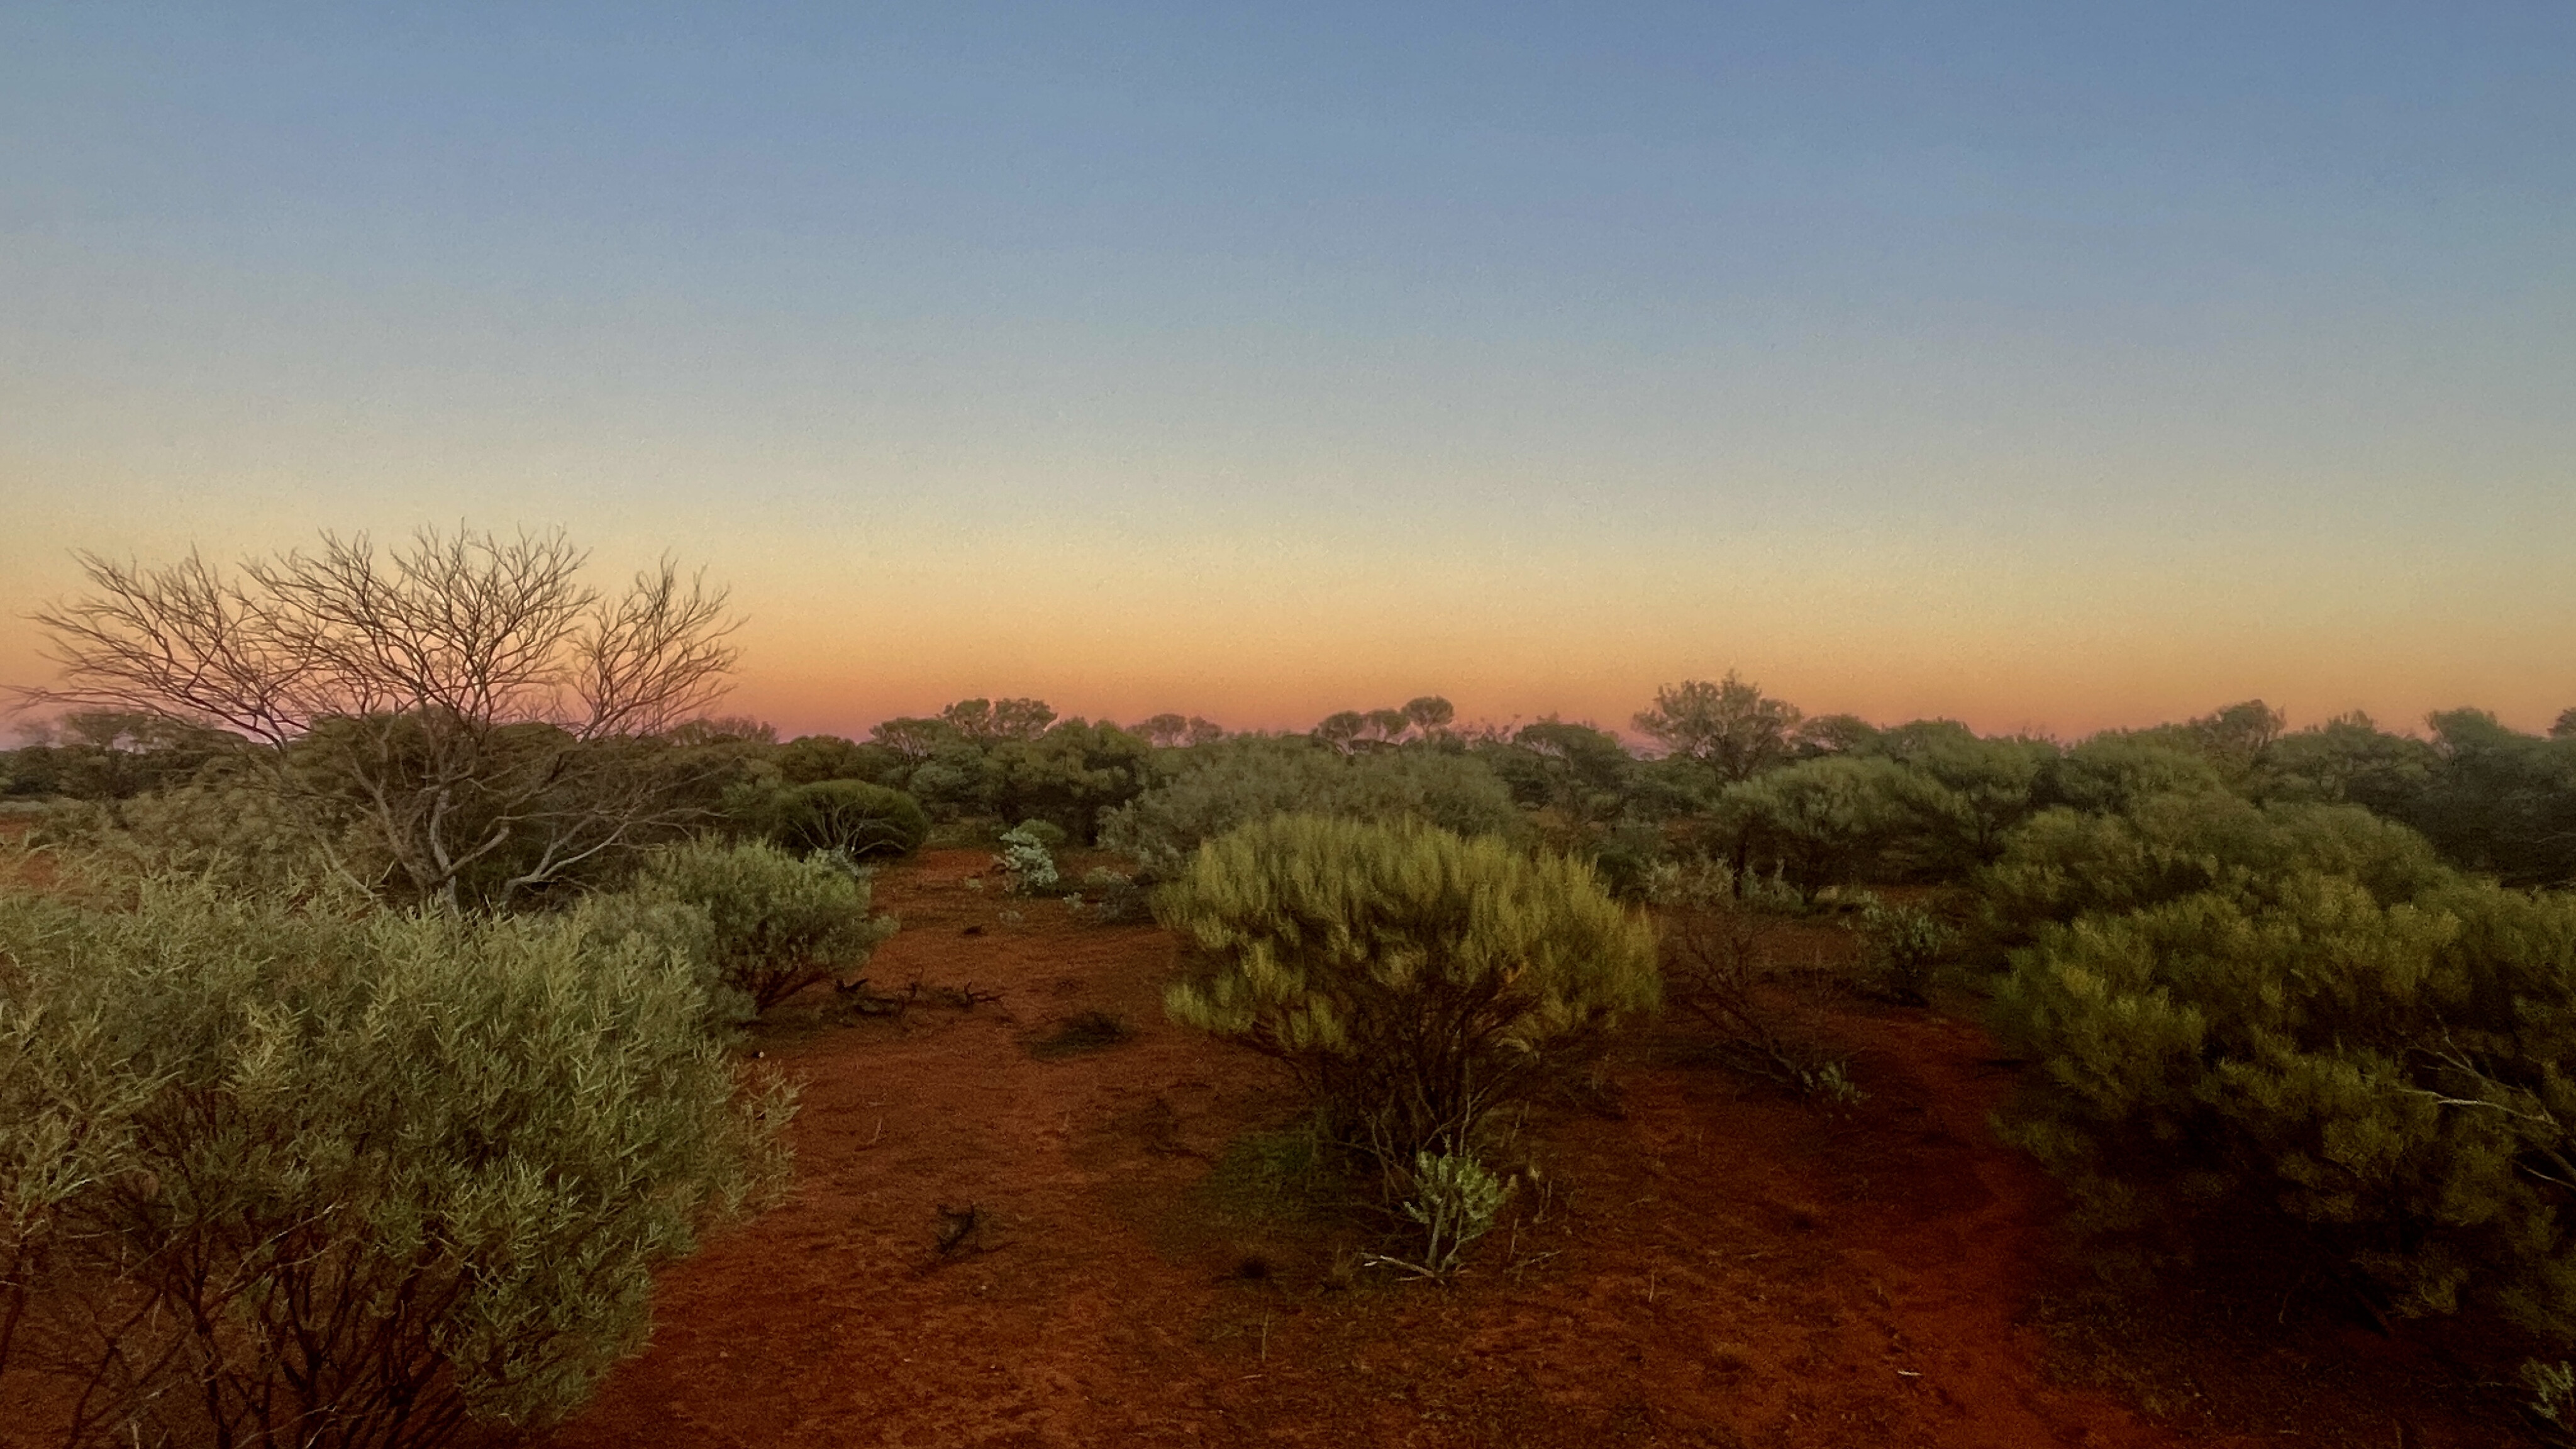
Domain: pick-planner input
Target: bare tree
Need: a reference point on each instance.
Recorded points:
(463, 718)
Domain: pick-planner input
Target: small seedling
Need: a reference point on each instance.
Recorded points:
(1455, 1201)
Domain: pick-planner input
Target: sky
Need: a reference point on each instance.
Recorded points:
(2043, 366)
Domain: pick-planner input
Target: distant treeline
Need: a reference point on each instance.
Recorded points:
(1731, 774)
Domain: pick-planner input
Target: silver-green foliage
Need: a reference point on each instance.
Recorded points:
(1454, 1201)
(283, 1176)
(1216, 787)
(1413, 978)
(761, 924)
(219, 829)
(1028, 863)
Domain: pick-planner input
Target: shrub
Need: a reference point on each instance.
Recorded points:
(1692, 883)
(2388, 1078)
(280, 1177)
(1901, 945)
(2553, 1396)
(1454, 1202)
(811, 759)
(2112, 773)
(1233, 782)
(1768, 1020)
(1070, 775)
(217, 829)
(851, 816)
(1027, 859)
(1845, 818)
(761, 924)
(2063, 864)
(1412, 979)
(1114, 895)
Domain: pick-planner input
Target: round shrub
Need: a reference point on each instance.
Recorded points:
(1414, 980)
(851, 816)
(761, 924)
(285, 1177)
(2387, 1079)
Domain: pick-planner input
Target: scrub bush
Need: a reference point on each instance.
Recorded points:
(1027, 859)
(1454, 1201)
(2063, 864)
(851, 816)
(760, 924)
(1114, 896)
(1413, 980)
(2386, 1073)
(1233, 782)
(215, 829)
(1900, 946)
(283, 1177)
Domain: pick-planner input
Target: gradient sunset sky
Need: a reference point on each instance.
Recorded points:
(2048, 366)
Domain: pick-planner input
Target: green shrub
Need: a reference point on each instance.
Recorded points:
(1412, 979)
(811, 759)
(761, 924)
(1691, 883)
(2063, 864)
(851, 816)
(1114, 896)
(2553, 1396)
(2386, 1076)
(281, 1177)
(1029, 860)
(1233, 782)
(1900, 947)
(1454, 1201)
(1070, 775)
(224, 831)
(2113, 773)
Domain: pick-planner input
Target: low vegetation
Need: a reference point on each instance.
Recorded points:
(756, 924)
(1412, 980)
(372, 1047)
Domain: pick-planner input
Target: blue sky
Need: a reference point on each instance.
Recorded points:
(2040, 364)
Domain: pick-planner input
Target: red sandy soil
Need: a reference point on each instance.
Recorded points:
(1714, 1265)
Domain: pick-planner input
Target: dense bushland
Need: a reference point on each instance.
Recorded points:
(281, 1176)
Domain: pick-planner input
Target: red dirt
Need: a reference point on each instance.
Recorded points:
(1717, 1266)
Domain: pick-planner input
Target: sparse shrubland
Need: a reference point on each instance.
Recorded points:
(2310, 984)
